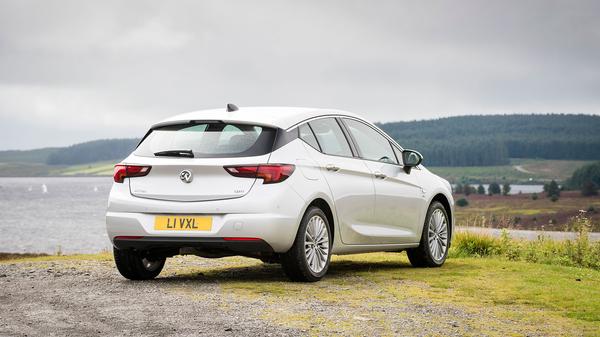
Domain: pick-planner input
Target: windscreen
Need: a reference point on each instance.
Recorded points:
(209, 140)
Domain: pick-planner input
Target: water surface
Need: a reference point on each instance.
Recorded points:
(46, 215)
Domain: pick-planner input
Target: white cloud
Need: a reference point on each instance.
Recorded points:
(110, 69)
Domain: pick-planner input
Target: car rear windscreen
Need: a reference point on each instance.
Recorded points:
(209, 140)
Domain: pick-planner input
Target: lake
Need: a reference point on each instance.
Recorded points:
(45, 215)
(516, 189)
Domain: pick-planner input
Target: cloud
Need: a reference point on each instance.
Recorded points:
(109, 69)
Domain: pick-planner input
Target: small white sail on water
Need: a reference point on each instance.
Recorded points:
(29, 189)
(44, 188)
(95, 188)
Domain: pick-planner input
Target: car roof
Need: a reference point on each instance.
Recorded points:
(280, 117)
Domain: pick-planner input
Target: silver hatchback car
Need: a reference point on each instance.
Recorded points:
(287, 185)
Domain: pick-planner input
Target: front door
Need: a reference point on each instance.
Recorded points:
(399, 198)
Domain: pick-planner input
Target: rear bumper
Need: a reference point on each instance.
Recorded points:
(276, 231)
(204, 244)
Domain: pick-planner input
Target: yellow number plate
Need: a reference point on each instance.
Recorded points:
(183, 223)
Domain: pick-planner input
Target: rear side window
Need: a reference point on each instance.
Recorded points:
(371, 144)
(209, 140)
(330, 137)
(308, 136)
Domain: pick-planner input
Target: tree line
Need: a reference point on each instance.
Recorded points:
(492, 140)
(94, 151)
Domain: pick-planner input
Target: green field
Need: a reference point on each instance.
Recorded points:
(524, 171)
(42, 170)
(94, 169)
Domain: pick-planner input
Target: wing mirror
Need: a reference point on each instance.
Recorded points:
(411, 158)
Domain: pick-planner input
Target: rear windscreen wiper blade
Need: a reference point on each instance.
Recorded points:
(175, 153)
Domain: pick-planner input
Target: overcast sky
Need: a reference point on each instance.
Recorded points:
(72, 71)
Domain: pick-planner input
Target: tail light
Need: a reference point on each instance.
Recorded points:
(128, 171)
(269, 173)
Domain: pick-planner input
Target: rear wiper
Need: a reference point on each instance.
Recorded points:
(175, 153)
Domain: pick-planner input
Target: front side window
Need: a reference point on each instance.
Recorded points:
(330, 137)
(371, 144)
(209, 140)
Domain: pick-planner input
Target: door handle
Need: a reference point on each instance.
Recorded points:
(380, 175)
(331, 167)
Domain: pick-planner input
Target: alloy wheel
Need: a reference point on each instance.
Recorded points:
(316, 244)
(438, 234)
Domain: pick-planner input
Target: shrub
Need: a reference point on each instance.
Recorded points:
(589, 188)
(494, 188)
(467, 244)
(534, 196)
(552, 189)
(505, 188)
(554, 198)
(467, 189)
(480, 189)
(462, 202)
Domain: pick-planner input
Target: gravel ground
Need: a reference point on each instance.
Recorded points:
(88, 298)
(229, 297)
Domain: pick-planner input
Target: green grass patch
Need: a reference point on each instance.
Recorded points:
(579, 252)
(512, 297)
(93, 169)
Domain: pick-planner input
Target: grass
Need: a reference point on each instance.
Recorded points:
(104, 168)
(579, 252)
(94, 169)
(379, 287)
(541, 171)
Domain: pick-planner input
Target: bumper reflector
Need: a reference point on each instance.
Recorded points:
(128, 237)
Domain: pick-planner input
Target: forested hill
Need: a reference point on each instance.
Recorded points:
(492, 140)
(452, 141)
(98, 150)
(82, 153)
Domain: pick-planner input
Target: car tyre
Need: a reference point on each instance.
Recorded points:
(435, 239)
(135, 266)
(308, 259)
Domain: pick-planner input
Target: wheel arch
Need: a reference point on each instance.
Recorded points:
(323, 205)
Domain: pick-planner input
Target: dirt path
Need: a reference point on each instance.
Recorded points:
(520, 168)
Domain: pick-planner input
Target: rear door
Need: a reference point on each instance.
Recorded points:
(349, 180)
(399, 198)
(187, 160)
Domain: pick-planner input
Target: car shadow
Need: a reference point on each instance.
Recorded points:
(274, 272)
